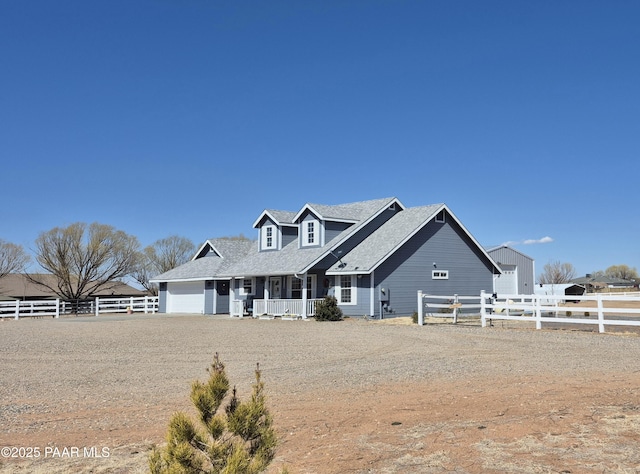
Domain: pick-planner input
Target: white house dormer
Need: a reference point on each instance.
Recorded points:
(269, 236)
(311, 232)
(275, 229)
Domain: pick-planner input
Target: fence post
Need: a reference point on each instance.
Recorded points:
(97, 305)
(420, 309)
(17, 309)
(57, 308)
(483, 309)
(538, 310)
(131, 304)
(455, 309)
(600, 314)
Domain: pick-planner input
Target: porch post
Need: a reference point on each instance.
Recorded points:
(304, 295)
(214, 310)
(372, 295)
(232, 296)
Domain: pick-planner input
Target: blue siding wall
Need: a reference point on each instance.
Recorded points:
(332, 229)
(162, 298)
(289, 234)
(209, 289)
(363, 302)
(410, 268)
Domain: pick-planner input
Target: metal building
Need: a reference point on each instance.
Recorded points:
(518, 271)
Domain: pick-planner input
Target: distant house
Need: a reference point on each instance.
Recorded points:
(16, 286)
(518, 271)
(373, 256)
(597, 283)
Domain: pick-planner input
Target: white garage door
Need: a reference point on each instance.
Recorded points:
(185, 297)
(507, 283)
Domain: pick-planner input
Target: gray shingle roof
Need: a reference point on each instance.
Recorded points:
(356, 211)
(281, 217)
(385, 240)
(292, 259)
(230, 250)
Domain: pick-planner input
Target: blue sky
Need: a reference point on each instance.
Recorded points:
(190, 117)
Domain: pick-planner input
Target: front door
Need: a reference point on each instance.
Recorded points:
(275, 288)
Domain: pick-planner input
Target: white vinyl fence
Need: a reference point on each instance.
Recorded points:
(601, 309)
(24, 309)
(21, 309)
(446, 306)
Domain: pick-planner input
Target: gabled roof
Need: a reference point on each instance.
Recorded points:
(291, 259)
(352, 212)
(227, 252)
(279, 217)
(294, 260)
(500, 247)
(390, 236)
(603, 279)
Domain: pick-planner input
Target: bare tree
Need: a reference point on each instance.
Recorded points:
(84, 259)
(13, 258)
(556, 272)
(621, 271)
(162, 256)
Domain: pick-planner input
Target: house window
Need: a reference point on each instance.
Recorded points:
(247, 286)
(310, 233)
(295, 285)
(268, 237)
(440, 216)
(440, 275)
(345, 292)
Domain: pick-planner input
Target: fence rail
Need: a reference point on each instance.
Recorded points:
(24, 309)
(601, 309)
(594, 311)
(279, 307)
(35, 309)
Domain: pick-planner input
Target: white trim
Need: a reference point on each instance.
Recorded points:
(443, 219)
(267, 214)
(353, 288)
(310, 227)
(372, 295)
(187, 279)
(418, 229)
(241, 289)
(314, 285)
(264, 237)
(439, 274)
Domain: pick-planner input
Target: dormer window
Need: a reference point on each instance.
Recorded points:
(268, 240)
(310, 234)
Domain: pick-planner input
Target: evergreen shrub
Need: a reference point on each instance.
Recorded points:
(328, 310)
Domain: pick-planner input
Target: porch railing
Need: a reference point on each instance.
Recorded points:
(284, 307)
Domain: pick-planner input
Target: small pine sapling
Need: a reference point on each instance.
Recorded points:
(238, 439)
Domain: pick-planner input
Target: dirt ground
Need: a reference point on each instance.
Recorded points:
(559, 416)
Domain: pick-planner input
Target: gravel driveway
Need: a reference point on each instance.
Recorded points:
(113, 381)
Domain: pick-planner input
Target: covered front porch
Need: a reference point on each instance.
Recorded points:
(286, 296)
(269, 308)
